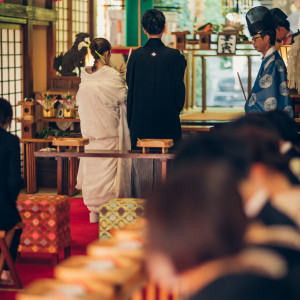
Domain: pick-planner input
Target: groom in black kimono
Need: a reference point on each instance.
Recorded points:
(156, 95)
(156, 90)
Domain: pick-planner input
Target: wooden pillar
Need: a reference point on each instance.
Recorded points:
(92, 18)
(70, 43)
(73, 176)
(30, 166)
(51, 44)
(27, 59)
(62, 176)
(203, 83)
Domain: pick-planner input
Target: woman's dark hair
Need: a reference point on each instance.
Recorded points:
(99, 45)
(218, 145)
(6, 112)
(286, 127)
(198, 215)
(261, 139)
(153, 21)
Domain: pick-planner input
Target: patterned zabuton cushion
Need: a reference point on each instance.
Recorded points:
(118, 212)
(47, 222)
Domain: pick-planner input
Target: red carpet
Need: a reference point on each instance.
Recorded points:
(34, 266)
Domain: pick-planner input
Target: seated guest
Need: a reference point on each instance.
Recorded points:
(266, 188)
(288, 131)
(290, 143)
(197, 226)
(10, 180)
(102, 111)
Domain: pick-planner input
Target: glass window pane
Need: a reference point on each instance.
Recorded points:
(11, 86)
(11, 35)
(18, 48)
(11, 48)
(5, 61)
(4, 48)
(11, 61)
(4, 35)
(11, 74)
(18, 60)
(5, 87)
(18, 86)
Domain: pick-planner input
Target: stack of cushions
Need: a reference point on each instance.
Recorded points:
(47, 223)
(117, 213)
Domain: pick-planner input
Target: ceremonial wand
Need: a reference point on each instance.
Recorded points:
(128, 56)
(241, 85)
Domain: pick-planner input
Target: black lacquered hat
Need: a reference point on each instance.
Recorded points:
(259, 19)
(278, 16)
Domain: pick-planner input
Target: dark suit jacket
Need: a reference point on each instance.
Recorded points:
(156, 92)
(10, 179)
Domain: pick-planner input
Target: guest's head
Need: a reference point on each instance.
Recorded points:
(100, 50)
(6, 113)
(197, 216)
(266, 164)
(153, 22)
(286, 127)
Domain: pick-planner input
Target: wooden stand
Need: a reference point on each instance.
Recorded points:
(28, 124)
(164, 144)
(180, 39)
(63, 143)
(204, 39)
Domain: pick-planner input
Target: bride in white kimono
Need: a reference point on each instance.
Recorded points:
(101, 100)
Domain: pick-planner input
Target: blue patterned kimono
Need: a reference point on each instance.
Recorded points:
(270, 90)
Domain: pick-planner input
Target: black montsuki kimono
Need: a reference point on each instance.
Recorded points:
(156, 92)
(10, 179)
(10, 185)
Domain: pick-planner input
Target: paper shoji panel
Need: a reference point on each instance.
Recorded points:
(62, 27)
(11, 70)
(80, 15)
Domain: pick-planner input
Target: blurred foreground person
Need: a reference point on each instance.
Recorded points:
(10, 180)
(267, 191)
(197, 226)
(290, 142)
(101, 102)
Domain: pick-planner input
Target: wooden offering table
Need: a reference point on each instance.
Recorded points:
(30, 146)
(63, 172)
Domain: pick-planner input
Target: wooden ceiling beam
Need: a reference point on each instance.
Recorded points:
(17, 11)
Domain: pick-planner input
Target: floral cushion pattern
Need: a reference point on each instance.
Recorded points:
(47, 223)
(118, 212)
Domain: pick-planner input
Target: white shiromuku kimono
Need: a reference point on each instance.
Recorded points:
(101, 100)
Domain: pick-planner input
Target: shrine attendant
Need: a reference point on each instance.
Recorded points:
(102, 111)
(270, 90)
(283, 33)
(10, 180)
